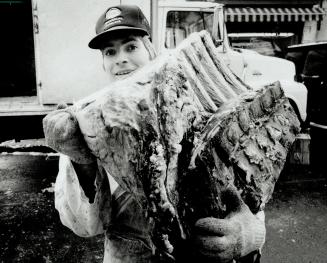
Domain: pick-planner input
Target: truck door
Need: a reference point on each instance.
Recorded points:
(17, 64)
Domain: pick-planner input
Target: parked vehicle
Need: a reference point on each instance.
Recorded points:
(311, 61)
(67, 70)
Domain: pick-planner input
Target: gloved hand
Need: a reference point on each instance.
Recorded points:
(233, 237)
(62, 133)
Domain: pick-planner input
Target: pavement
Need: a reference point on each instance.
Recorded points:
(30, 229)
(296, 217)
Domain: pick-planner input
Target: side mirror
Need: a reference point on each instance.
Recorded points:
(218, 42)
(217, 28)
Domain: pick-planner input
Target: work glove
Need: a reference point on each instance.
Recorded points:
(233, 237)
(62, 133)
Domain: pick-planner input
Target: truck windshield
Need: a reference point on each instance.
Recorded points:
(180, 24)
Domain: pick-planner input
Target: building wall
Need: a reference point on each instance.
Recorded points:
(310, 31)
(322, 28)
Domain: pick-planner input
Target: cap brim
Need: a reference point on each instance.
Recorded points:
(97, 41)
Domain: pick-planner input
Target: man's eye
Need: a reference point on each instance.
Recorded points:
(131, 47)
(110, 52)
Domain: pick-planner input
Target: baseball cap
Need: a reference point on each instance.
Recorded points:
(121, 17)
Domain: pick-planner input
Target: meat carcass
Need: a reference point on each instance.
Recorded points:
(183, 128)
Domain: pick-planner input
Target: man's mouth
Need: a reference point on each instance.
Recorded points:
(124, 72)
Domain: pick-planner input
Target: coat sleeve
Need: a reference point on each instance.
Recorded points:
(76, 212)
(262, 217)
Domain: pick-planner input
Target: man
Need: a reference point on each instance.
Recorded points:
(90, 202)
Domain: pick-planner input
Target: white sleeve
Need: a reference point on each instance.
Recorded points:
(262, 217)
(75, 210)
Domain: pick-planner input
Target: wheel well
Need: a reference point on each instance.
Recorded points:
(297, 112)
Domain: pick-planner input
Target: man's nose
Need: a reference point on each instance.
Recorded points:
(121, 58)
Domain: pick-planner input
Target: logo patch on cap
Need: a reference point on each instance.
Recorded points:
(112, 13)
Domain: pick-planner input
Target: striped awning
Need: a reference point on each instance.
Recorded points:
(262, 14)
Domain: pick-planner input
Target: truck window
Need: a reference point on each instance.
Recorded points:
(180, 24)
(17, 64)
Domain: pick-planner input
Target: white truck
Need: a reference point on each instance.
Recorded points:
(67, 70)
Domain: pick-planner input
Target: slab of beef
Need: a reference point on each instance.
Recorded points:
(182, 129)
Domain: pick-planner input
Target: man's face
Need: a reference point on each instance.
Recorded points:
(123, 55)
